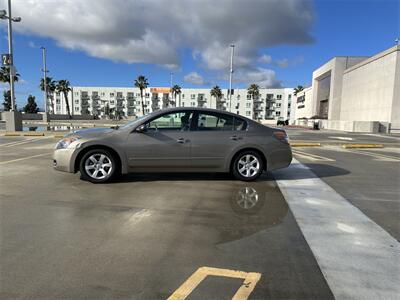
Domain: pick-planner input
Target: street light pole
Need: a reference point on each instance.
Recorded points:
(44, 78)
(230, 77)
(170, 84)
(10, 51)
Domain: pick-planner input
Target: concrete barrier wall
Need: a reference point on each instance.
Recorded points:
(351, 126)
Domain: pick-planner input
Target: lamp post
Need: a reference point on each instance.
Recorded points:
(13, 121)
(170, 83)
(230, 77)
(44, 70)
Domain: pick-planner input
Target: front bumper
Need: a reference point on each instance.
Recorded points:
(63, 160)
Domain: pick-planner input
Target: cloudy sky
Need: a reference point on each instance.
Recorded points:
(109, 43)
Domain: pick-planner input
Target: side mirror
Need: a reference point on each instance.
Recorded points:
(140, 129)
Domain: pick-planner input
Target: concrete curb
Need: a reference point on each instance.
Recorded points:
(33, 134)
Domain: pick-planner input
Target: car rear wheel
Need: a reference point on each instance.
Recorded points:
(248, 166)
(98, 166)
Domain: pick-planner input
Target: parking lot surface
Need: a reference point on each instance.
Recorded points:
(144, 235)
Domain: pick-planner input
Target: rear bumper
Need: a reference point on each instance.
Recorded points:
(279, 158)
(62, 160)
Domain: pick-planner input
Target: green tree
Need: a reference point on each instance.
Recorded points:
(106, 110)
(253, 90)
(7, 100)
(31, 105)
(63, 87)
(5, 75)
(298, 89)
(176, 90)
(51, 88)
(217, 93)
(141, 83)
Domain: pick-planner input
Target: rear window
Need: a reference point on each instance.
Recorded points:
(218, 122)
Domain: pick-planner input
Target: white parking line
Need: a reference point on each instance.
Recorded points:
(24, 142)
(311, 156)
(341, 138)
(23, 158)
(16, 142)
(358, 259)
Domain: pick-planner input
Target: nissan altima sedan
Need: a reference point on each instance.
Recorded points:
(175, 140)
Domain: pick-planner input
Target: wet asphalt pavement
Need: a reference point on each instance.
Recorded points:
(144, 235)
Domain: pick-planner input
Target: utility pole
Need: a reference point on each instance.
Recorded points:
(13, 118)
(10, 51)
(44, 78)
(170, 84)
(230, 77)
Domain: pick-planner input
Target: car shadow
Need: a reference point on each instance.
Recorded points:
(319, 170)
(294, 172)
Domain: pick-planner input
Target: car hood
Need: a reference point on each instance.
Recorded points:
(93, 132)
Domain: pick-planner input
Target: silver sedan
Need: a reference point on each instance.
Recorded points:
(175, 140)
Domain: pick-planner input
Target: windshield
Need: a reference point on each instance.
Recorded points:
(133, 122)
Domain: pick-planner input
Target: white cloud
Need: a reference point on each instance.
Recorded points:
(194, 78)
(283, 63)
(265, 59)
(266, 78)
(154, 31)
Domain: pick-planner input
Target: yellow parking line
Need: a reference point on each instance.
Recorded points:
(23, 158)
(298, 144)
(249, 283)
(350, 146)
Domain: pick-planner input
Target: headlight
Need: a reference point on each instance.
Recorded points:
(65, 142)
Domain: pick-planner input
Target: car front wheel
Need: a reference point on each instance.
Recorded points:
(98, 166)
(248, 166)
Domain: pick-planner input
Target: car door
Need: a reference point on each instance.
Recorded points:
(214, 137)
(162, 143)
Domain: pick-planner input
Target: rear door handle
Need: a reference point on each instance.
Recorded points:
(235, 137)
(181, 141)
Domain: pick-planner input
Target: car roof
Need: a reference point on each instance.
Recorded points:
(173, 109)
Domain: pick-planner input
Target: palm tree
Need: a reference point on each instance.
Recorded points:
(253, 90)
(176, 90)
(51, 88)
(63, 86)
(298, 89)
(217, 93)
(142, 84)
(5, 75)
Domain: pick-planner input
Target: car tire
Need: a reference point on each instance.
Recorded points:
(98, 166)
(248, 166)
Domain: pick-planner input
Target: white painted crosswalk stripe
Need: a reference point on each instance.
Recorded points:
(358, 258)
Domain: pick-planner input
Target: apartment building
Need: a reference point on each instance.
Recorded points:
(269, 105)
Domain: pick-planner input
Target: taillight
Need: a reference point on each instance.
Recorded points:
(281, 136)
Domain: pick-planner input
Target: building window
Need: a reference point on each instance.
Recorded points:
(76, 109)
(58, 107)
(290, 97)
(111, 94)
(112, 102)
(278, 105)
(103, 94)
(279, 97)
(183, 104)
(183, 96)
(248, 105)
(76, 93)
(58, 101)
(270, 96)
(192, 96)
(277, 113)
(238, 97)
(147, 95)
(248, 113)
(76, 101)
(248, 97)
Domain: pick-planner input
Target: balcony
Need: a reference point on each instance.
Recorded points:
(271, 100)
(84, 103)
(131, 103)
(95, 104)
(258, 100)
(221, 100)
(257, 108)
(155, 107)
(201, 100)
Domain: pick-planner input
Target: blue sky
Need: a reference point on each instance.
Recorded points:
(334, 28)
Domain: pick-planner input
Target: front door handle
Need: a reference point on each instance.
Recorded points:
(180, 141)
(235, 137)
